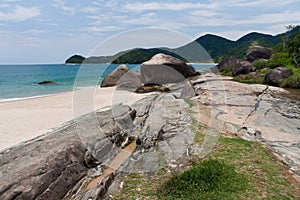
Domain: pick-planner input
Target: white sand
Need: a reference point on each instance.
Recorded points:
(25, 119)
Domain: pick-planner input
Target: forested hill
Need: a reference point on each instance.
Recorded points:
(217, 48)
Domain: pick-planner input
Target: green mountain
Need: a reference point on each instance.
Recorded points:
(211, 48)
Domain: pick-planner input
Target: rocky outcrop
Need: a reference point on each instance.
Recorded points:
(164, 133)
(64, 163)
(162, 68)
(45, 168)
(253, 112)
(113, 78)
(258, 52)
(244, 67)
(49, 166)
(276, 76)
(47, 83)
(228, 63)
(129, 81)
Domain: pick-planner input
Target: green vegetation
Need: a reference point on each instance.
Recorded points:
(292, 81)
(206, 180)
(136, 56)
(257, 78)
(217, 47)
(220, 48)
(76, 59)
(287, 54)
(278, 59)
(235, 169)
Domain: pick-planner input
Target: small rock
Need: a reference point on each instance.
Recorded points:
(152, 88)
(47, 83)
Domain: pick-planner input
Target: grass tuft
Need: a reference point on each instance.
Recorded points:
(210, 179)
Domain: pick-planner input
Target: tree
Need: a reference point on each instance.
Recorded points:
(293, 47)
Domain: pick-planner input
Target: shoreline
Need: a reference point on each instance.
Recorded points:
(23, 120)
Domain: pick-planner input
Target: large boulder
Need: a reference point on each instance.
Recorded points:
(244, 67)
(258, 52)
(276, 76)
(163, 68)
(113, 78)
(228, 63)
(129, 81)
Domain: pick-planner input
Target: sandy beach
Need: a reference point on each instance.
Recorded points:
(25, 119)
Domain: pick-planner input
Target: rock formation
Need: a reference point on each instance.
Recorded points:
(253, 112)
(129, 81)
(47, 83)
(63, 164)
(276, 76)
(244, 67)
(257, 53)
(113, 78)
(230, 62)
(162, 68)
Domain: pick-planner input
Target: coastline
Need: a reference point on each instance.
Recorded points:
(25, 119)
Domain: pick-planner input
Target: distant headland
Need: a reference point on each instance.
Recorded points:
(215, 49)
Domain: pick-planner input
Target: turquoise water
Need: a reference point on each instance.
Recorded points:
(21, 81)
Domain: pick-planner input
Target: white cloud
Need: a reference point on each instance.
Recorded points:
(104, 28)
(33, 32)
(139, 7)
(269, 3)
(20, 13)
(270, 18)
(90, 10)
(61, 4)
(204, 13)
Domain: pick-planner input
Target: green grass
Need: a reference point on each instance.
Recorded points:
(227, 71)
(210, 179)
(258, 78)
(235, 169)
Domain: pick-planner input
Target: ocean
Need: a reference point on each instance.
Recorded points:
(21, 81)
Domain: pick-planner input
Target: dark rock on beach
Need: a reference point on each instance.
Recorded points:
(258, 52)
(228, 63)
(244, 67)
(162, 68)
(151, 88)
(47, 83)
(129, 81)
(113, 78)
(276, 76)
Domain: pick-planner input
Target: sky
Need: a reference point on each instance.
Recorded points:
(49, 31)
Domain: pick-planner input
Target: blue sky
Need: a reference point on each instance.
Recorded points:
(49, 31)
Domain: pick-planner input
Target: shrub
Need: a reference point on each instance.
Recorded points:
(292, 81)
(276, 60)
